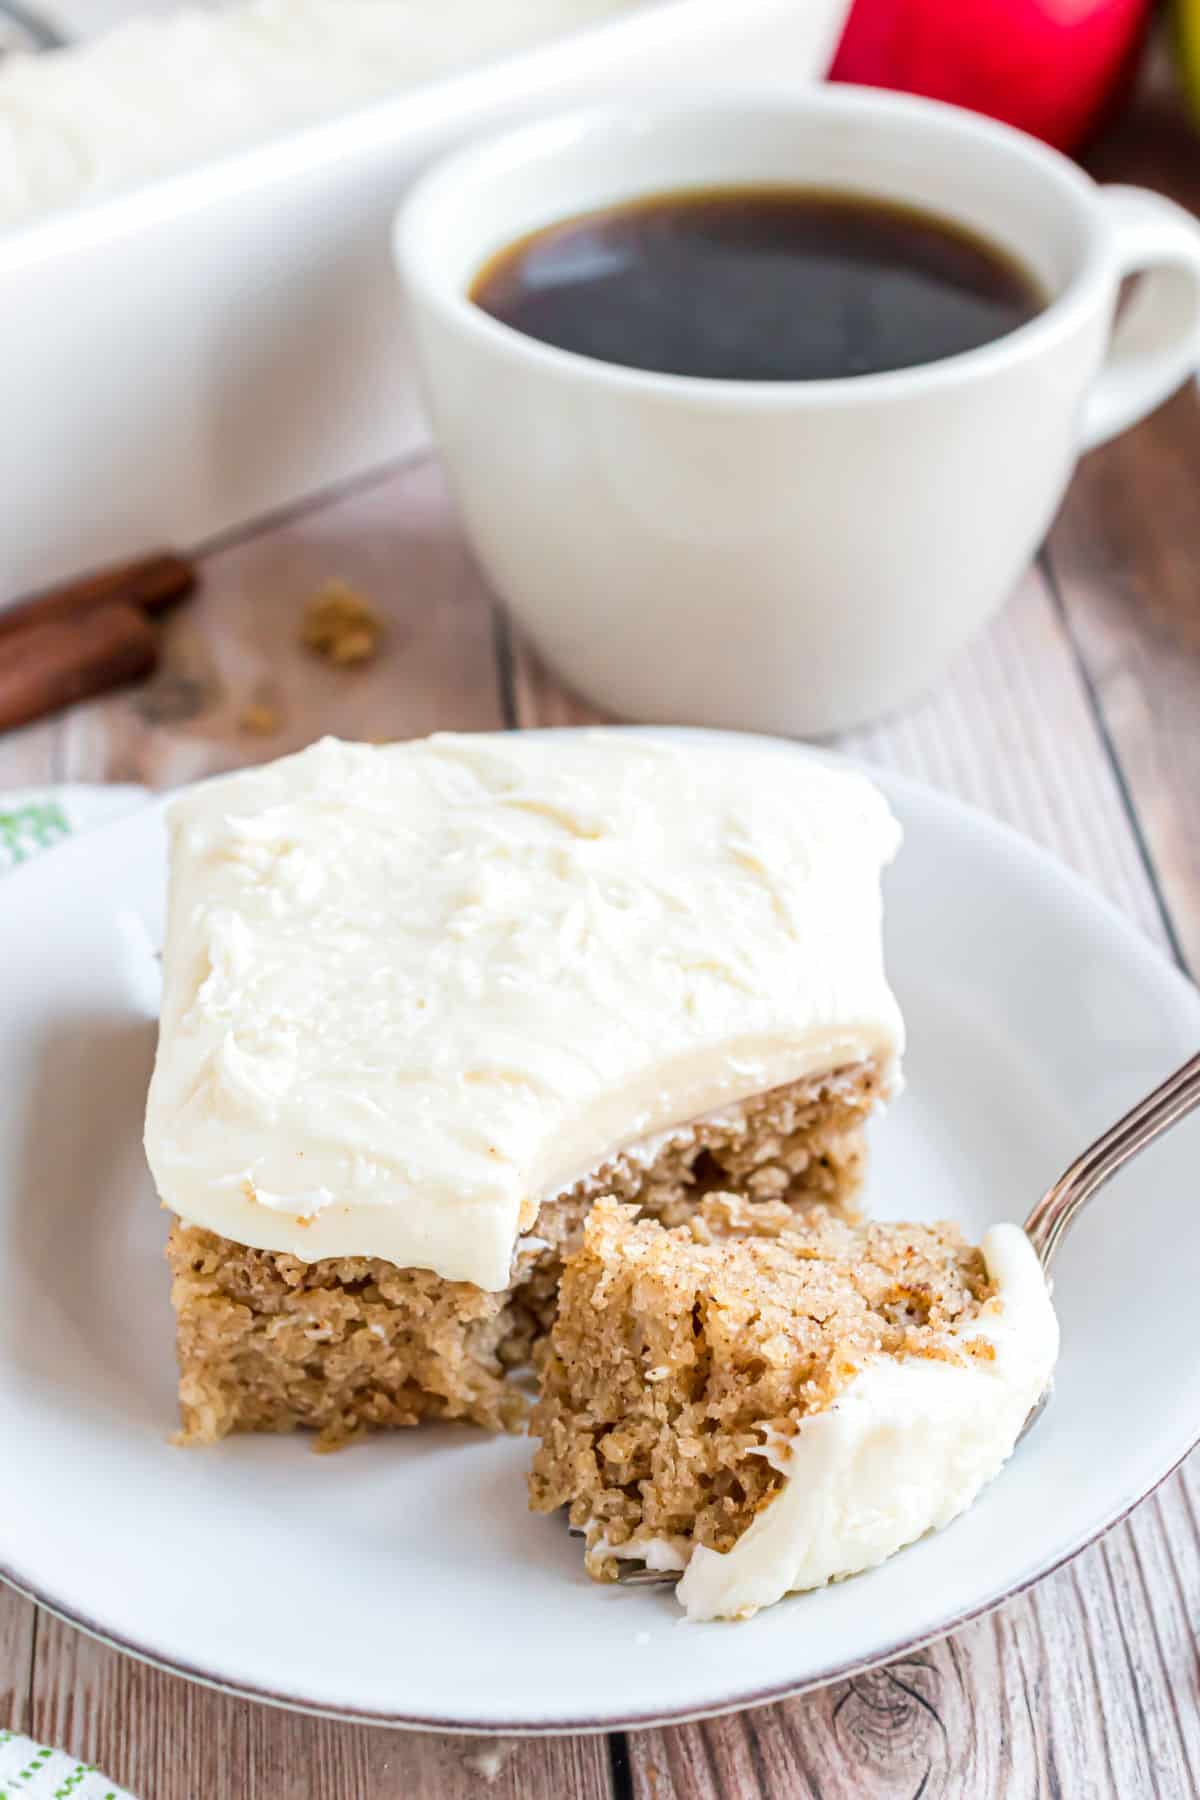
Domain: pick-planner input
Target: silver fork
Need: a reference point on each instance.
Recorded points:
(1059, 1207)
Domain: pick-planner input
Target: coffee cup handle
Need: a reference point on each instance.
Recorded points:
(1156, 341)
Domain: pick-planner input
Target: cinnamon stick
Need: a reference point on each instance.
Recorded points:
(152, 583)
(53, 663)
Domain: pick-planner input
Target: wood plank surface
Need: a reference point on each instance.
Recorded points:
(17, 1626)
(169, 1739)
(1125, 559)
(31, 756)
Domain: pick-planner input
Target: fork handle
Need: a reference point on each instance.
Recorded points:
(1055, 1212)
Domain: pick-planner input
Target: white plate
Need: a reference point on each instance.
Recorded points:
(404, 1581)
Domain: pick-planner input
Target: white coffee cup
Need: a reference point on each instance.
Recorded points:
(782, 556)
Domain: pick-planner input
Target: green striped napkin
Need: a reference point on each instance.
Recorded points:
(30, 1769)
(35, 819)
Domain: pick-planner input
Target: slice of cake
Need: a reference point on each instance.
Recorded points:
(423, 1002)
(766, 1401)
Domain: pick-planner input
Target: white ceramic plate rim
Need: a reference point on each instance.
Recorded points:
(583, 1726)
(1151, 964)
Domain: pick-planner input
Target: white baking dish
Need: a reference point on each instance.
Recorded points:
(178, 360)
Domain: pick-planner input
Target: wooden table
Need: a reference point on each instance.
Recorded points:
(1077, 719)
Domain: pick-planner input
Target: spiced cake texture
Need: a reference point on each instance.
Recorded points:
(344, 1345)
(679, 1356)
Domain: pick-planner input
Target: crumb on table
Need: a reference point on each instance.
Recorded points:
(341, 625)
(259, 719)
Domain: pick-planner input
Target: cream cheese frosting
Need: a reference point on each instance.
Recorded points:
(906, 1447)
(412, 990)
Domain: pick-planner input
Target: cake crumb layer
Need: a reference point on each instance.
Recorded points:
(678, 1356)
(341, 1346)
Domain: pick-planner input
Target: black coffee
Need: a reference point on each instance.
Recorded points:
(759, 284)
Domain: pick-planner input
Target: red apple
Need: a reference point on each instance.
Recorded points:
(1053, 67)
